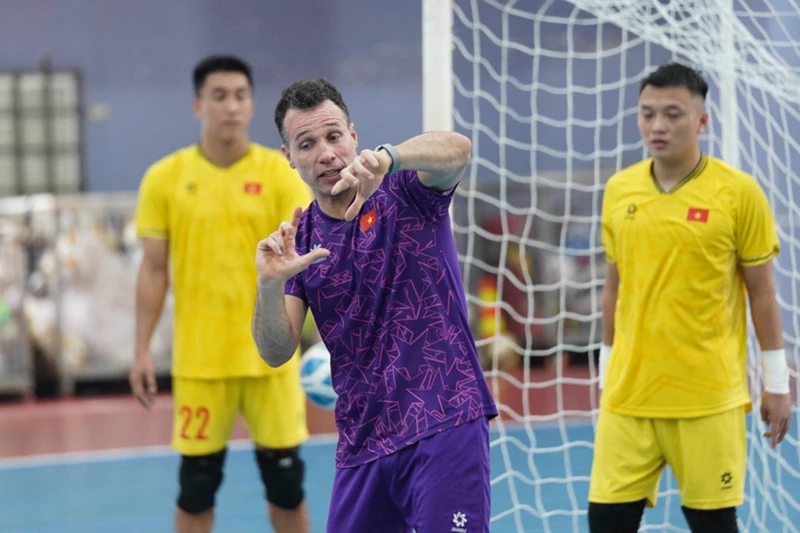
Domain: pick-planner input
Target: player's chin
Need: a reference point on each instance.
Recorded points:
(659, 150)
(232, 137)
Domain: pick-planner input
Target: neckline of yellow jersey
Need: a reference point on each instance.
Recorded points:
(217, 167)
(698, 169)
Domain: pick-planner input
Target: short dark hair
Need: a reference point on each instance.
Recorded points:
(677, 75)
(213, 64)
(305, 94)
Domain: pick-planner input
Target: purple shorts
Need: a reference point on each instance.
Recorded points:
(440, 483)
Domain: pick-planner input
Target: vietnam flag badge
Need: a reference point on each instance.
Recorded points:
(368, 220)
(696, 214)
(252, 188)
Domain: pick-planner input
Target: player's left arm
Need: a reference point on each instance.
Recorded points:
(760, 283)
(439, 157)
(757, 244)
(776, 403)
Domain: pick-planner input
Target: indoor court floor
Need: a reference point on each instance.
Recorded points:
(103, 465)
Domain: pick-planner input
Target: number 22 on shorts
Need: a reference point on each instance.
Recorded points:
(201, 415)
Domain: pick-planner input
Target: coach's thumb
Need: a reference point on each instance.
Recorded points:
(315, 255)
(296, 215)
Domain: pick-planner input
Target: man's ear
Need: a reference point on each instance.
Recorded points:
(703, 123)
(288, 155)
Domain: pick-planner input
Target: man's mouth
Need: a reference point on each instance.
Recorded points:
(330, 175)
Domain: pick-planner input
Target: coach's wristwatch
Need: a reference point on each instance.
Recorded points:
(392, 151)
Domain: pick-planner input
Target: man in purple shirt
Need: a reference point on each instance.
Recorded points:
(374, 259)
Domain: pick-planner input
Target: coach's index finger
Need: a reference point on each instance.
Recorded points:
(298, 212)
(287, 233)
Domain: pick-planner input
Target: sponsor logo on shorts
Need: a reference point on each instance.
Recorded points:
(459, 523)
(727, 480)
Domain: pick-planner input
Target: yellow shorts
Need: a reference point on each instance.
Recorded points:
(273, 407)
(707, 455)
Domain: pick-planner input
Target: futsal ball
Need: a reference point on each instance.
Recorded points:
(315, 375)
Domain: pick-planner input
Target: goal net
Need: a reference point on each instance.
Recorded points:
(547, 92)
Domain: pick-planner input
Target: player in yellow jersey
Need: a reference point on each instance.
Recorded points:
(688, 240)
(202, 210)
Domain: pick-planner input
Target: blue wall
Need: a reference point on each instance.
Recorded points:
(137, 57)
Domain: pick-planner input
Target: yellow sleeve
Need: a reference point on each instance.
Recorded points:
(152, 214)
(607, 236)
(756, 235)
(294, 191)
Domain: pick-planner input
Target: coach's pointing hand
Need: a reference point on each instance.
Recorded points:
(365, 174)
(276, 256)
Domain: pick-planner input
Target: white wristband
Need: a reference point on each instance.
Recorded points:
(776, 371)
(605, 354)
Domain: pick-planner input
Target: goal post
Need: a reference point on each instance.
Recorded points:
(547, 91)
(437, 81)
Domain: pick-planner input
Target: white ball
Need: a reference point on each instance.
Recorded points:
(315, 376)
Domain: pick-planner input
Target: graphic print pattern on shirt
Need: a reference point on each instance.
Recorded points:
(390, 306)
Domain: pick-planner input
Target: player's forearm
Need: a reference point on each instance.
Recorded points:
(609, 304)
(273, 332)
(439, 156)
(151, 289)
(767, 321)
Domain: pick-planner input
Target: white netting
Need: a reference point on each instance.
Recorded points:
(547, 92)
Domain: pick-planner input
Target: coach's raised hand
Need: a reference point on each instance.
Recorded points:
(278, 319)
(276, 256)
(364, 175)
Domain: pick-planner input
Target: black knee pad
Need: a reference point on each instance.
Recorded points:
(200, 477)
(713, 521)
(282, 472)
(616, 517)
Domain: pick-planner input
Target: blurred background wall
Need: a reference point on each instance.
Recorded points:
(136, 58)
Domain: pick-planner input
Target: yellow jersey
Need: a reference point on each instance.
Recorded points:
(680, 341)
(214, 218)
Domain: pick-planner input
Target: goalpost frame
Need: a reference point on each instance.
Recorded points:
(727, 90)
(437, 65)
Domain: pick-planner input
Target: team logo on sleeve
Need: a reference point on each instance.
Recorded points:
(697, 214)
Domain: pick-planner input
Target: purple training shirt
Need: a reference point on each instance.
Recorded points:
(390, 306)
